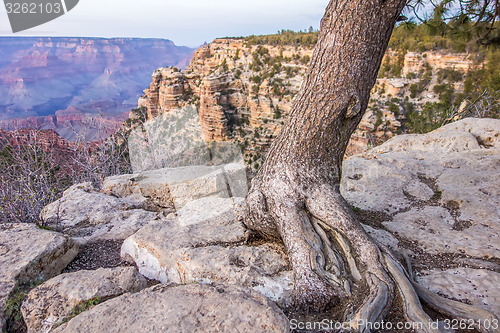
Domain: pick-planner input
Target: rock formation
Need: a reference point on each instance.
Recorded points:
(81, 85)
(243, 92)
(189, 308)
(57, 300)
(27, 255)
(432, 198)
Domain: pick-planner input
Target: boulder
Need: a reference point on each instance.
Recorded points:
(188, 308)
(180, 185)
(88, 215)
(464, 135)
(191, 191)
(29, 254)
(57, 299)
(120, 186)
(207, 208)
(128, 202)
(212, 251)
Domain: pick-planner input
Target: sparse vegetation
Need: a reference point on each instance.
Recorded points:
(306, 38)
(33, 175)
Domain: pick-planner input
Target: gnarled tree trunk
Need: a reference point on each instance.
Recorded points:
(295, 196)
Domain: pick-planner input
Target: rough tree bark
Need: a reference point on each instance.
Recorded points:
(295, 196)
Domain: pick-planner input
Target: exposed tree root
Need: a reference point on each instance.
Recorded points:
(330, 252)
(471, 314)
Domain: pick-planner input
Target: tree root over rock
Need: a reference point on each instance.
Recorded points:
(333, 258)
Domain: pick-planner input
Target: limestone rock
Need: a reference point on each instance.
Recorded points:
(212, 251)
(120, 186)
(28, 254)
(440, 191)
(180, 185)
(464, 135)
(175, 187)
(51, 303)
(189, 308)
(477, 286)
(88, 215)
(438, 194)
(437, 232)
(202, 209)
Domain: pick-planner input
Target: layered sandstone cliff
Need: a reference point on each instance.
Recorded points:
(244, 92)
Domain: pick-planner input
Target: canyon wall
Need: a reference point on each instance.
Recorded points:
(244, 92)
(72, 79)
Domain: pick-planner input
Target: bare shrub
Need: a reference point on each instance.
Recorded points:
(34, 174)
(29, 180)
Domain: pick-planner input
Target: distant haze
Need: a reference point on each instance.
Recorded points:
(187, 22)
(64, 83)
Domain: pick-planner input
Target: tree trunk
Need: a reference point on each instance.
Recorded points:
(295, 196)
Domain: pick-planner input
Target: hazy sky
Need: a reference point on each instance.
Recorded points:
(186, 22)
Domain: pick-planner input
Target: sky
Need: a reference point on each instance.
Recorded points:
(186, 22)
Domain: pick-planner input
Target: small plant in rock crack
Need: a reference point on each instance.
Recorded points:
(15, 322)
(85, 306)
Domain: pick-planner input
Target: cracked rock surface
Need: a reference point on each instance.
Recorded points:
(213, 251)
(187, 308)
(88, 215)
(23, 262)
(438, 194)
(57, 299)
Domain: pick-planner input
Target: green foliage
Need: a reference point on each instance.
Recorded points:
(237, 55)
(454, 36)
(187, 94)
(237, 74)
(425, 121)
(256, 79)
(84, 307)
(286, 38)
(305, 60)
(223, 66)
(378, 121)
(277, 113)
(15, 322)
(13, 306)
(413, 90)
(449, 74)
(394, 109)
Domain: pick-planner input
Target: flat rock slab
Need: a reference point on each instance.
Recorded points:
(212, 251)
(206, 208)
(478, 286)
(438, 194)
(189, 308)
(440, 190)
(434, 228)
(57, 299)
(29, 254)
(88, 215)
(181, 185)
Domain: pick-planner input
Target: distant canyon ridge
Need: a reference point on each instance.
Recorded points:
(80, 87)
